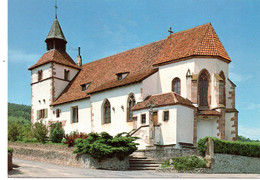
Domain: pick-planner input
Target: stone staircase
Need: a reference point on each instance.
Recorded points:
(143, 163)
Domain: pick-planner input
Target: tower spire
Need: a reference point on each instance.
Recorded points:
(56, 7)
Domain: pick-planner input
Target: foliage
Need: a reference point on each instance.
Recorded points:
(19, 114)
(103, 145)
(40, 131)
(70, 138)
(30, 140)
(251, 149)
(56, 132)
(186, 163)
(244, 139)
(13, 131)
(10, 150)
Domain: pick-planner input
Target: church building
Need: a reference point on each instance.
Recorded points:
(170, 92)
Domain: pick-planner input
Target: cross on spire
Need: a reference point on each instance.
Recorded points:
(170, 31)
(56, 7)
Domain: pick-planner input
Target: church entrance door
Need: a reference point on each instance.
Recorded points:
(155, 118)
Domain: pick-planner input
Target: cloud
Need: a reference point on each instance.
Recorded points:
(21, 56)
(249, 132)
(250, 106)
(239, 77)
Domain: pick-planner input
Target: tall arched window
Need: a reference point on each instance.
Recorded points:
(222, 94)
(176, 85)
(204, 79)
(107, 112)
(130, 104)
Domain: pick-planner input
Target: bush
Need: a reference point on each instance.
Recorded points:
(14, 131)
(70, 139)
(56, 132)
(186, 163)
(10, 150)
(30, 140)
(40, 131)
(25, 132)
(103, 145)
(251, 149)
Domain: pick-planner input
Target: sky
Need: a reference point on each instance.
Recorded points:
(106, 27)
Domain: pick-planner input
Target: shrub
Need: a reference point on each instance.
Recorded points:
(70, 139)
(30, 140)
(40, 131)
(56, 132)
(251, 149)
(14, 131)
(10, 150)
(186, 163)
(25, 132)
(103, 145)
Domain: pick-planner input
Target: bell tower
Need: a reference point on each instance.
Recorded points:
(51, 74)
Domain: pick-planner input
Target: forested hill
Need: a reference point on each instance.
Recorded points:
(19, 113)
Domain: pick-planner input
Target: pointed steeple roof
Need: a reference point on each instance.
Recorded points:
(55, 31)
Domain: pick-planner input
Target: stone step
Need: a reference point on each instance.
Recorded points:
(142, 168)
(144, 162)
(144, 165)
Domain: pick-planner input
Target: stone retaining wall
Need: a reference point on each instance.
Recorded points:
(112, 163)
(227, 163)
(62, 155)
(165, 153)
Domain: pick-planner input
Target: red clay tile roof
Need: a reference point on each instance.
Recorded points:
(139, 62)
(165, 99)
(102, 73)
(199, 41)
(55, 56)
(208, 113)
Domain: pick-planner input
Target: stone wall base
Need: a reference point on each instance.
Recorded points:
(111, 163)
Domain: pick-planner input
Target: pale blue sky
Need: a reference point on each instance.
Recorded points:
(106, 27)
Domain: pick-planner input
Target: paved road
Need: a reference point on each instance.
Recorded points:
(25, 168)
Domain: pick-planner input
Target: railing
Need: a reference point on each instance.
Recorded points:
(133, 131)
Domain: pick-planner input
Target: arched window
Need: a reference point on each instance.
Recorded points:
(106, 112)
(204, 79)
(176, 85)
(130, 104)
(222, 94)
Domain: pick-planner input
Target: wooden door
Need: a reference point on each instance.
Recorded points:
(155, 118)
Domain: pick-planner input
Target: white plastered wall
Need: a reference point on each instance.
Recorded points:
(185, 124)
(179, 127)
(46, 72)
(84, 117)
(179, 69)
(168, 72)
(207, 127)
(41, 91)
(117, 98)
(228, 126)
(60, 84)
(150, 85)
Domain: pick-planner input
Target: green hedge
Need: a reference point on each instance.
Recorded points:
(103, 145)
(251, 149)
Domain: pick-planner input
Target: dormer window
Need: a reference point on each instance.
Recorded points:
(39, 75)
(66, 74)
(121, 76)
(84, 87)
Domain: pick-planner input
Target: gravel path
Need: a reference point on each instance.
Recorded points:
(29, 169)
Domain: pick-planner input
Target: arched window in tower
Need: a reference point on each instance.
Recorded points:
(130, 105)
(222, 84)
(176, 85)
(106, 113)
(204, 89)
(39, 75)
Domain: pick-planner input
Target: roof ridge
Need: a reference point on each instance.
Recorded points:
(191, 28)
(123, 52)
